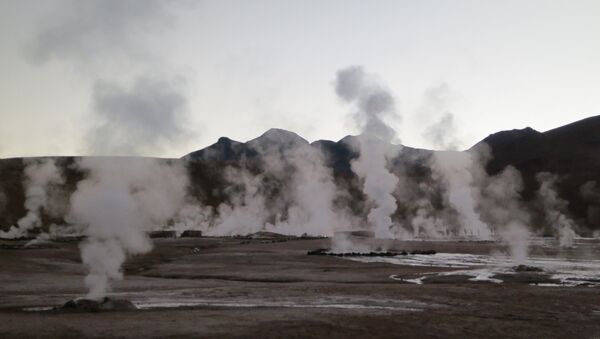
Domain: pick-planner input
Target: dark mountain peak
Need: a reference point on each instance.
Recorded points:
(349, 139)
(280, 136)
(321, 142)
(223, 150)
(276, 138)
(225, 141)
(582, 131)
(585, 130)
(570, 151)
(502, 138)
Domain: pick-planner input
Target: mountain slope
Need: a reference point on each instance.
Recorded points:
(571, 151)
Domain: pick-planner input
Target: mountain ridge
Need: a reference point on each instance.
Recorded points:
(571, 151)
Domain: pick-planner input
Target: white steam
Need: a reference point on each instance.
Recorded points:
(455, 171)
(245, 212)
(142, 118)
(441, 132)
(374, 105)
(294, 172)
(41, 175)
(118, 202)
(503, 208)
(311, 193)
(139, 102)
(555, 209)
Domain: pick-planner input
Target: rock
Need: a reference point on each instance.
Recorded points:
(90, 305)
(117, 305)
(362, 234)
(163, 234)
(525, 268)
(21, 238)
(318, 251)
(324, 251)
(423, 252)
(68, 238)
(81, 305)
(191, 234)
(264, 235)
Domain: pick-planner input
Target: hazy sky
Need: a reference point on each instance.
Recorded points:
(167, 77)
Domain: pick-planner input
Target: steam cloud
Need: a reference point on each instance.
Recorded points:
(442, 132)
(555, 208)
(373, 104)
(115, 207)
(115, 38)
(502, 207)
(144, 118)
(40, 177)
(244, 214)
(310, 194)
(295, 173)
(455, 171)
(86, 33)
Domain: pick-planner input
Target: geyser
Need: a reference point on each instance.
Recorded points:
(115, 206)
(373, 104)
(554, 209)
(41, 175)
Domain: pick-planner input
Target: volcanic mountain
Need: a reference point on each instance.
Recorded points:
(572, 152)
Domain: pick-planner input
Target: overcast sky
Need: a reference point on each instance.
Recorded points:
(164, 78)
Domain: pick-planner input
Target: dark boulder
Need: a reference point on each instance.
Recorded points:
(163, 234)
(525, 268)
(324, 251)
(104, 304)
(191, 234)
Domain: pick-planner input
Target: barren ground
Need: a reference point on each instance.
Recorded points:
(224, 287)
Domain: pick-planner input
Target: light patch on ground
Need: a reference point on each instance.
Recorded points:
(566, 271)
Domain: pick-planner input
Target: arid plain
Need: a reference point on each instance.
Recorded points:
(269, 287)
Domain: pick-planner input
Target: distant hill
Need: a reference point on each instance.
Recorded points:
(571, 151)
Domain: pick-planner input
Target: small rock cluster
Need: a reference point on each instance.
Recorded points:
(525, 268)
(324, 251)
(104, 304)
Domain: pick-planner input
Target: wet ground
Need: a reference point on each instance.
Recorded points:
(225, 287)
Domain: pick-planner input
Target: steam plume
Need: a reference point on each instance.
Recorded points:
(308, 189)
(554, 209)
(116, 205)
(40, 177)
(245, 212)
(117, 38)
(455, 171)
(442, 132)
(292, 193)
(87, 33)
(374, 104)
(502, 207)
(145, 118)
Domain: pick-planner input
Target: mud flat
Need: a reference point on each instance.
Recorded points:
(224, 287)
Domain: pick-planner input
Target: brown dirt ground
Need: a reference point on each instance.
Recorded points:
(260, 289)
